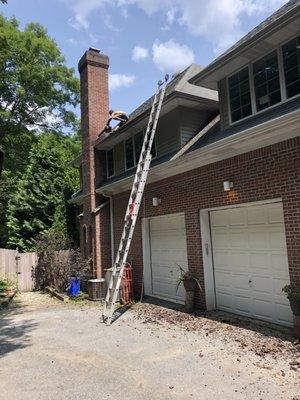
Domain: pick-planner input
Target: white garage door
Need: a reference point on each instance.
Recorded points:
(250, 262)
(167, 251)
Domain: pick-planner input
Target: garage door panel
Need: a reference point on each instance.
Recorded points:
(275, 214)
(277, 239)
(258, 239)
(238, 238)
(168, 250)
(236, 218)
(256, 216)
(241, 305)
(283, 313)
(221, 239)
(250, 261)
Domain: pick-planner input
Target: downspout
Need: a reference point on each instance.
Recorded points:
(112, 240)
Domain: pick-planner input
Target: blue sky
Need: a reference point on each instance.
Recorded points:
(143, 38)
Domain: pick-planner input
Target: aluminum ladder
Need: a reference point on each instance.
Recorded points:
(133, 205)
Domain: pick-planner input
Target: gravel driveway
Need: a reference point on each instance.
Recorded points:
(51, 350)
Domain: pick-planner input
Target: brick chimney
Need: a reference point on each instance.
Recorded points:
(93, 69)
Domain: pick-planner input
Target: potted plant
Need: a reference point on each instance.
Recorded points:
(293, 294)
(190, 282)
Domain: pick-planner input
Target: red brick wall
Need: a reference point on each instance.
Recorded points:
(267, 173)
(93, 68)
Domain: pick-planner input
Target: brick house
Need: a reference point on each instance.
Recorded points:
(224, 177)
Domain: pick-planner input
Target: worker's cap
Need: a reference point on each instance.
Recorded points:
(111, 111)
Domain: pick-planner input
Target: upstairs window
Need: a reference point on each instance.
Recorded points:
(138, 144)
(129, 153)
(110, 163)
(291, 65)
(266, 81)
(239, 94)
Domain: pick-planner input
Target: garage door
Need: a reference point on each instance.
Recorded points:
(167, 251)
(250, 262)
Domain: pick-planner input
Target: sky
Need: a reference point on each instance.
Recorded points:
(144, 39)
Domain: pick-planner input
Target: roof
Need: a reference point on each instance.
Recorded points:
(179, 85)
(289, 9)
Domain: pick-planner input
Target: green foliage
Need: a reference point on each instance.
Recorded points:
(41, 193)
(37, 89)
(292, 292)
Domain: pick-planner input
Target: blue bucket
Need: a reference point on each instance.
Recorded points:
(74, 287)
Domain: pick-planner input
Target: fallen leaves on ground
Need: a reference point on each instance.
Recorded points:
(260, 338)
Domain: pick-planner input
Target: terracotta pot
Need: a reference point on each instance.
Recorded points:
(189, 284)
(189, 300)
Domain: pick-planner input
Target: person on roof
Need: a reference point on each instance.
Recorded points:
(117, 116)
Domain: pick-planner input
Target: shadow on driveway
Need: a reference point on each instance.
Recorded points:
(14, 334)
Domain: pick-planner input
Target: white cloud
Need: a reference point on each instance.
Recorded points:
(120, 80)
(172, 56)
(139, 53)
(218, 21)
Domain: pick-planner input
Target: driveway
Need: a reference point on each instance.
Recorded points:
(51, 350)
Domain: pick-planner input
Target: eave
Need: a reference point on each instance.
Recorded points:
(277, 130)
(78, 198)
(266, 40)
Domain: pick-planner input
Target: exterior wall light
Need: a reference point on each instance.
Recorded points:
(156, 201)
(227, 185)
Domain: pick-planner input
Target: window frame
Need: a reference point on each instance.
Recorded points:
(282, 82)
(110, 176)
(134, 150)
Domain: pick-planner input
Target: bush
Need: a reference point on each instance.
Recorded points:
(58, 261)
(6, 284)
(292, 292)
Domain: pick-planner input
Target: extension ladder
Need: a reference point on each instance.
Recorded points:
(133, 205)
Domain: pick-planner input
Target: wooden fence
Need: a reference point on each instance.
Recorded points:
(18, 267)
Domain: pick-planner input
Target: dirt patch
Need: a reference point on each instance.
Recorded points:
(258, 338)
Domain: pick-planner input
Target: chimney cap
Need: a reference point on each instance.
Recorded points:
(94, 49)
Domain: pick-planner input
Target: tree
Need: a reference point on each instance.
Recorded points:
(40, 202)
(17, 149)
(37, 89)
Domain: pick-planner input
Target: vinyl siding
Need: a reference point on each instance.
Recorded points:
(223, 104)
(191, 122)
(167, 134)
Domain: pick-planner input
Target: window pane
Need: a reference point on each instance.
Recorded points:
(110, 163)
(266, 81)
(138, 144)
(291, 65)
(129, 153)
(239, 94)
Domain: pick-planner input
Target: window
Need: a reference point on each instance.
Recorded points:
(266, 81)
(129, 155)
(291, 65)
(138, 144)
(239, 94)
(110, 163)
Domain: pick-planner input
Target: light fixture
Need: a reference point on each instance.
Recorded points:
(227, 185)
(156, 201)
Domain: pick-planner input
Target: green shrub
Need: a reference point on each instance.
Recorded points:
(292, 292)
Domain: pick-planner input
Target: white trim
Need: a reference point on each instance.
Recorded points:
(282, 82)
(207, 250)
